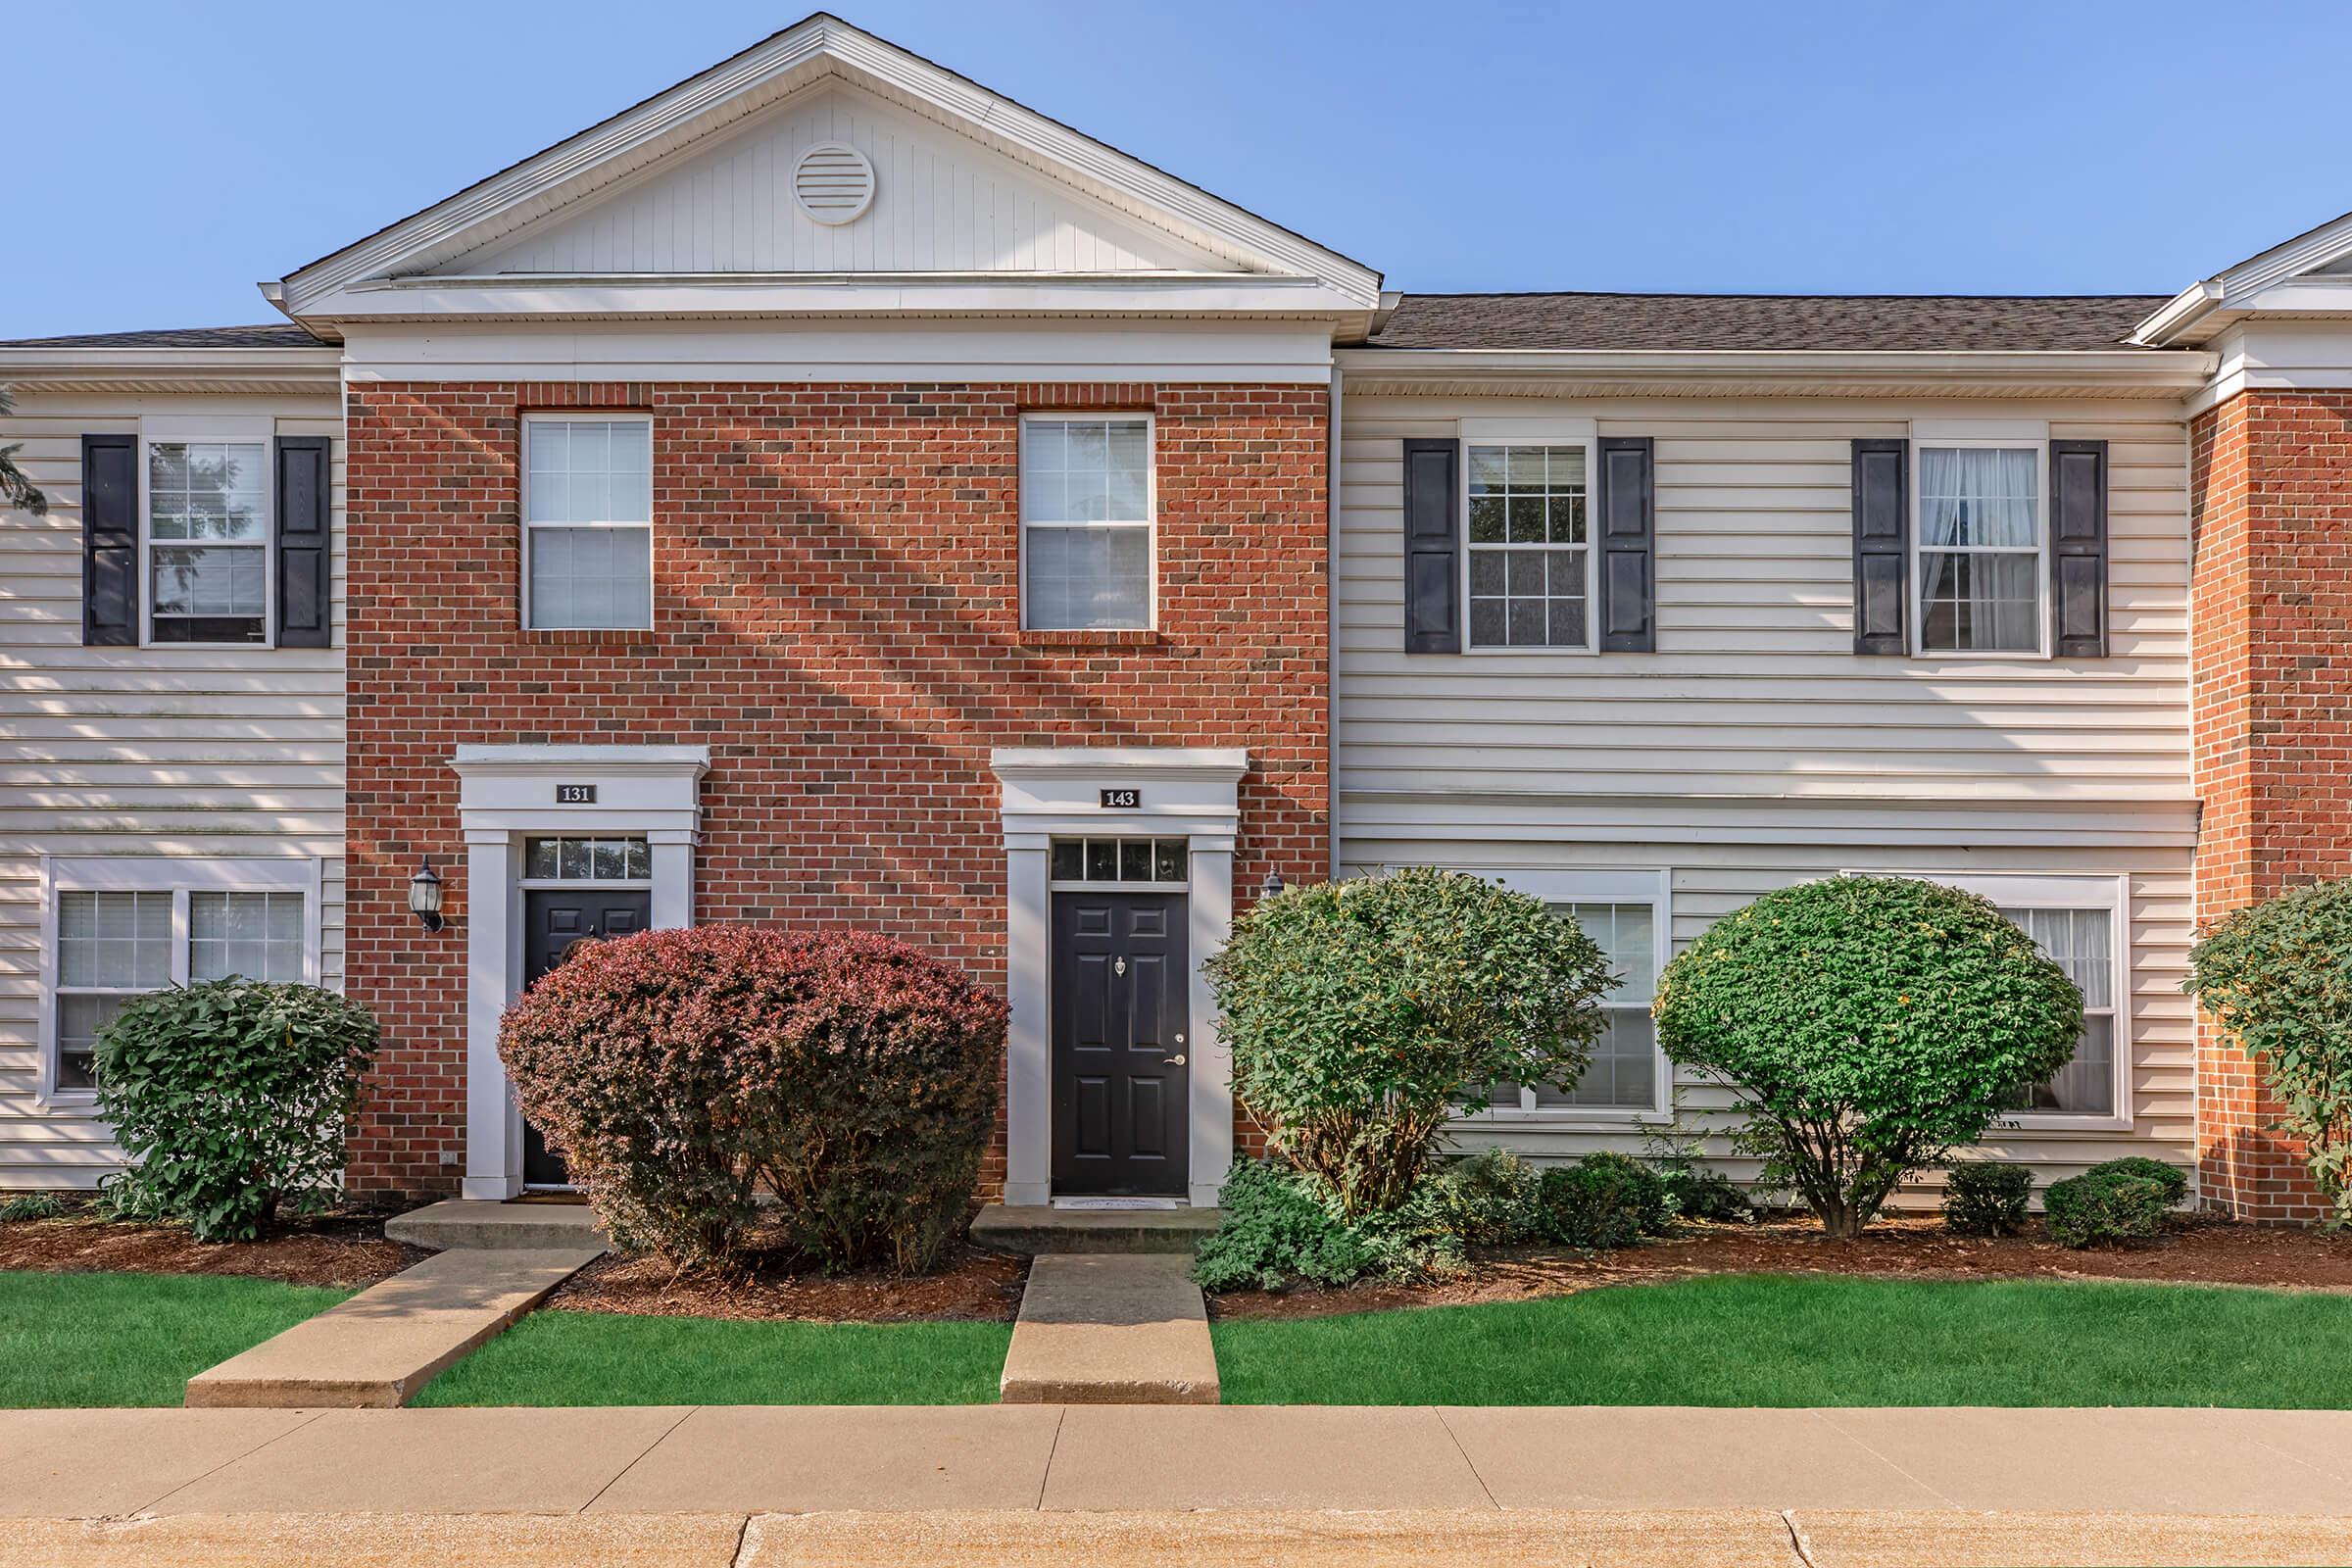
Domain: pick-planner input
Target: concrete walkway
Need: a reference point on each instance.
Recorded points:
(1107, 1329)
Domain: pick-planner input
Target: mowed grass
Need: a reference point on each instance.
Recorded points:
(133, 1339)
(1760, 1340)
(555, 1357)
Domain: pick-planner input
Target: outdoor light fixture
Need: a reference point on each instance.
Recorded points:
(1272, 884)
(424, 897)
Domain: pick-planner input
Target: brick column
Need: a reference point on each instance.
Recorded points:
(2271, 614)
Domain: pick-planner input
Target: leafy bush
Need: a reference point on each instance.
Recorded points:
(2170, 1178)
(1281, 1226)
(1488, 1198)
(1698, 1192)
(1869, 1025)
(31, 1205)
(1987, 1198)
(680, 1071)
(2106, 1209)
(2276, 977)
(1602, 1201)
(230, 1101)
(1362, 1013)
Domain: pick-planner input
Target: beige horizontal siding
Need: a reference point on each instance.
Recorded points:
(227, 753)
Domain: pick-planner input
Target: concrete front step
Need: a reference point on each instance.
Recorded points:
(379, 1348)
(1110, 1329)
(1040, 1228)
(456, 1222)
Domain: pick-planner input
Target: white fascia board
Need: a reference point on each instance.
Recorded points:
(817, 45)
(2174, 370)
(293, 372)
(276, 361)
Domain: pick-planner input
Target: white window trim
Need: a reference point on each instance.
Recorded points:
(524, 523)
(157, 874)
(1532, 433)
(173, 432)
(1653, 888)
(2037, 892)
(1985, 436)
(1150, 523)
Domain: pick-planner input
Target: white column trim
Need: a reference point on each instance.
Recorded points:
(506, 793)
(1195, 793)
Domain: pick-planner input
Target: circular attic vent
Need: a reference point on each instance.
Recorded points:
(832, 182)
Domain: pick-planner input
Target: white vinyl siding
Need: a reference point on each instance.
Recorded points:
(206, 752)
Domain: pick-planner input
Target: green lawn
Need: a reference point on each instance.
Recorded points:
(556, 1357)
(133, 1339)
(1757, 1340)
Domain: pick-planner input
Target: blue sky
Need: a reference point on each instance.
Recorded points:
(168, 155)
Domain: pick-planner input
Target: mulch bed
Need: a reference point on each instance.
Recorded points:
(970, 1286)
(334, 1250)
(2194, 1251)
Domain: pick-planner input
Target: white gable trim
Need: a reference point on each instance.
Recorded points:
(2203, 308)
(765, 74)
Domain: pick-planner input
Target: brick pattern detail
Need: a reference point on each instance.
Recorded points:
(2271, 607)
(837, 618)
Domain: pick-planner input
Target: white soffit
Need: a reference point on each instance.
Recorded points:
(597, 160)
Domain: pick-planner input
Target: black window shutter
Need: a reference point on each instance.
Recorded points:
(110, 541)
(1882, 545)
(305, 543)
(1628, 510)
(1433, 547)
(2079, 548)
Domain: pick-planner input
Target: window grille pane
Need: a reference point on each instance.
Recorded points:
(1624, 1074)
(1135, 859)
(1119, 859)
(1533, 596)
(1169, 861)
(589, 471)
(1087, 578)
(1979, 496)
(592, 579)
(1980, 603)
(587, 859)
(122, 939)
(1101, 860)
(79, 1021)
(1067, 861)
(220, 580)
(205, 490)
(256, 935)
(1086, 470)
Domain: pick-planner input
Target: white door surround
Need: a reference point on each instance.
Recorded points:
(507, 793)
(1052, 792)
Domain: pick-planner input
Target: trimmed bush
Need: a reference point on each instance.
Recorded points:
(1281, 1226)
(2110, 1208)
(680, 1071)
(1987, 1198)
(1603, 1201)
(1869, 1025)
(2276, 977)
(230, 1101)
(1489, 1197)
(1361, 1015)
(2170, 1178)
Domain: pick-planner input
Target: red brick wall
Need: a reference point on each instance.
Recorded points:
(836, 617)
(2270, 504)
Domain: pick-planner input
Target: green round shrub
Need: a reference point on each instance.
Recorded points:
(2276, 977)
(2106, 1209)
(2172, 1179)
(1987, 1198)
(1869, 1024)
(1601, 1201)
(1361, 1015)
(230, 1098)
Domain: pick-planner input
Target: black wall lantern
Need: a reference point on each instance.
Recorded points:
(1272, 884)
(424, 897)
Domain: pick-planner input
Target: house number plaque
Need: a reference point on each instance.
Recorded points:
(1123, 799)
(575, 794)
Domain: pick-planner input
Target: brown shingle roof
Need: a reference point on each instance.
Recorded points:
(270, 335)
(1764, 321)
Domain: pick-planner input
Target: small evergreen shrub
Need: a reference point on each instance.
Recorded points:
(681, 1071)
(32, 1206)
(2105, 1210)
(1702, 1195)
(1987, 1198)
(1601, 1201)
(230, 1101)
(1361, 1015)
(1489, 1197)
(2170, 1178)
(1282, 1226)
(1869, 1025)
(2276, 977)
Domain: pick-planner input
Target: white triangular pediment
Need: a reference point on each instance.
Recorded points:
(940, 202)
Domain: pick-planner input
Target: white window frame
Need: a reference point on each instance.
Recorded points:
(181, 433)
(2029, 891)
(1122, 834)
(180, 878)
(1984, 435)
(1150, 523)
(522, 520)
(1584, 434)
(531, 884)
(1556, 886)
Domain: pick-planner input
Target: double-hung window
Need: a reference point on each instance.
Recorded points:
(1982, 531)
(1624, 914)
(207, 530)
(1530, 556)
(1087, 522)
(116, 929)
(587, 523)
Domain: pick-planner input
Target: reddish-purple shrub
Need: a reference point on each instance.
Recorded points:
(681, 1071)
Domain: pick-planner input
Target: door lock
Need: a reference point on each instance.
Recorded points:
(1180, 1040)
(1177, 1061)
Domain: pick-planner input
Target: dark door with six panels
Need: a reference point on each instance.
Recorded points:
(554, 919)
(1121, 1061)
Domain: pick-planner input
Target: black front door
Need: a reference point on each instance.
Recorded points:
(554, 918)
(1121, 1019)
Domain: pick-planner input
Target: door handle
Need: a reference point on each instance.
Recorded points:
(1177, 1061)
